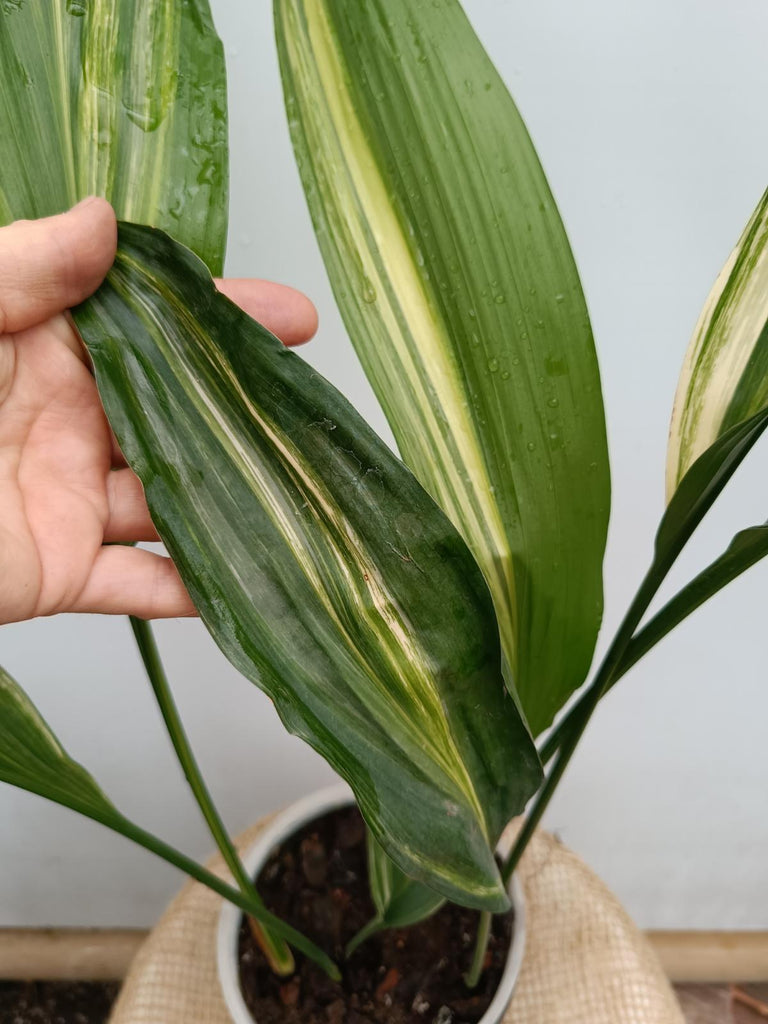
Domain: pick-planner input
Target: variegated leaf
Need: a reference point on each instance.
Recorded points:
(120, 98)
(322, 569)
(724, 379)
(400, 901)
(453, 272)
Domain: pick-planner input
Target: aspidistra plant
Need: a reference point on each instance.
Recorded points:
(321, 567)
(415, 629)
(451, 267)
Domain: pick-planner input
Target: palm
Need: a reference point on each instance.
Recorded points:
(66, 497)
(55, 454)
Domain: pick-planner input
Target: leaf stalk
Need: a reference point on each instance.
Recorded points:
(276, 950)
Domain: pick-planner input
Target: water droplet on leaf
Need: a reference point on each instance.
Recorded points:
(146, 120)
(555, 367)
(369, 292)
(209, 173)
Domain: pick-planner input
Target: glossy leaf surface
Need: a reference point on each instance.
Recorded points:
(725, 376)
(400, 901)
(120, 98)
(453, 272)
(323, 570)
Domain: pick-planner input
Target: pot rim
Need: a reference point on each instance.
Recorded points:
(279, 828)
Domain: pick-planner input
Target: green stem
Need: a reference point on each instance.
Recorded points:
(276, 950)
(601, 683)
(373, 926)
(572, 732)
(665, 620)
(472, 976)
(675, 530)
(245, 901)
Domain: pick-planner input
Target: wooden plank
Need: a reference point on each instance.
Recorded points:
(705, 1004)
(712, 956)
(106, 954)
(67, 954)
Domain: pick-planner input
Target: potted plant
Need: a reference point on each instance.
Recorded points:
(420, 623)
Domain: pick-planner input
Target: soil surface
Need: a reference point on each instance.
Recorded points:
(318, 882)
(56, 1002)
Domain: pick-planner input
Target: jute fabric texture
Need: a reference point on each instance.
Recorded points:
(585, 962)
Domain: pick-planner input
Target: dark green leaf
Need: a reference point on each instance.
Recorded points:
(703, 483)
(746, 548)
(322, 569)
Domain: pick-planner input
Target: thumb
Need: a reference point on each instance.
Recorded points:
(48, 265)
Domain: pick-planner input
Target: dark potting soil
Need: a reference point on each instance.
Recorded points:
(56, 1002)
(318, 882)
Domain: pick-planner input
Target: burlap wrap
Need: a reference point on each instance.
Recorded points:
(585, 962)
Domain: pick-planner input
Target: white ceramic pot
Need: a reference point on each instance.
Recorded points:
(282, 826)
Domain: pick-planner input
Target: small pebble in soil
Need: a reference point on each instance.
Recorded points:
(420, 1004)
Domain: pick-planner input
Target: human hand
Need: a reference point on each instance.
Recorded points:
(65, 492)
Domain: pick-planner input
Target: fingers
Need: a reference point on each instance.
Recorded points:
(117, 457)
(48, 265)
(288, 313)
(131, 581)
(129, 518)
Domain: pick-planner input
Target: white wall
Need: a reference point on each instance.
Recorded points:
(650, 120)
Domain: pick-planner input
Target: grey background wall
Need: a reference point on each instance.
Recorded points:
(650, 120)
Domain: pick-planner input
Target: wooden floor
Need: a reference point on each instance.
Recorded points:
(724, 1004)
